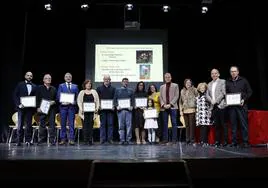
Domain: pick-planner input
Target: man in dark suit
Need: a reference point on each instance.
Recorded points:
(25, 114)
(238, 84)
(49, 93)
(67, 110)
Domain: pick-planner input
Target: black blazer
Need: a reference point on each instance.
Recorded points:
(21, 91)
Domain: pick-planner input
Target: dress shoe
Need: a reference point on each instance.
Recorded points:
(245, 145)
(29, 144)
(18, 144)
(233, 145)
(102, 142)
(71, 143)
(121, 143)
(225, 144)
(62, 143)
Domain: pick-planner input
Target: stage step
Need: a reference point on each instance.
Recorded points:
(108, 174)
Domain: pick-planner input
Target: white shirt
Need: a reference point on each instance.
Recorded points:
(69, 84)
(29, 88)
(214, 84)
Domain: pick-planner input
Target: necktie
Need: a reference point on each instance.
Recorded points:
(69, 86)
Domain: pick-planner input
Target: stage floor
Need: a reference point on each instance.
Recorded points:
(129, 152)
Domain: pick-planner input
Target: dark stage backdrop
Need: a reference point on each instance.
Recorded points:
(230, 34)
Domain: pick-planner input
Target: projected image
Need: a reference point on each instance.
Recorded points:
(133, 61)
(145, 71)
(144, 56)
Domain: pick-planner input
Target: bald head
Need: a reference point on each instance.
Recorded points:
(106, 79)
(68, 77)
(168, 77)
(215, 74)
(47, 79)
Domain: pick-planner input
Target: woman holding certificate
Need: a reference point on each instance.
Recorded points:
(88, 103)
(140, 97)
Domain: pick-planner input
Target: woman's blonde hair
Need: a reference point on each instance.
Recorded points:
(202, 84)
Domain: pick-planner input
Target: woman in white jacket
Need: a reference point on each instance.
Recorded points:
(88, 103)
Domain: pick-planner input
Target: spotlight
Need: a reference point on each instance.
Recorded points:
(204, 10)
(84, 7)
(166, 8)
(48, 7)
(129, 6)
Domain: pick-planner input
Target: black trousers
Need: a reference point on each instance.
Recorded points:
(221, 125)
(25, 118)
(190, 123)
(88, 126)
(239, 113)
(50, 119)
(204, 133)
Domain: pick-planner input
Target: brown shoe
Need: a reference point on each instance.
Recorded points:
(62, 143)
(71, 143)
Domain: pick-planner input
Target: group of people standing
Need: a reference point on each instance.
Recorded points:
(202, 106)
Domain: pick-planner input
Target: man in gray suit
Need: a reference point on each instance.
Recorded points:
(169, 95)
(216, 97)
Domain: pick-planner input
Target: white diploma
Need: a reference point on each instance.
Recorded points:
(89, 107)
(106, 104)
(28, 101)
(150, 113)
(44, 106)
(67, 98)
(233, 99)
(141, 102)
(124, 103)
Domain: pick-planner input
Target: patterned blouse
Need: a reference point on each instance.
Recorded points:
(202, 111)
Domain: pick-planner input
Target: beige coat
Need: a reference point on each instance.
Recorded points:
(80, 102)
(174, 94)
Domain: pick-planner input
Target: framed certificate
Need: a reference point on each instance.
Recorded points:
(107, 104)
(89, 107)
(233, 99)
(67, 98)
(28, 101)
(45, 106)
(150, 113)
(124, 103)
(141, 102)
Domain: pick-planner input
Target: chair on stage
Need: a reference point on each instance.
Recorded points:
(96, 125)
(14, 127)
(58, 127)
(78, 125)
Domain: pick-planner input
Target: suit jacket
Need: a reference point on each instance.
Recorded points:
(22, 91)
(220, 93)
(174, 94)
(63, 89)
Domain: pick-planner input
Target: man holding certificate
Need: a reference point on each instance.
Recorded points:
(169, 95)
(88, 103)
(238, 91)
(25, 102)
(67, 95)
(46, 103)
(106, 94)
(123, 100)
